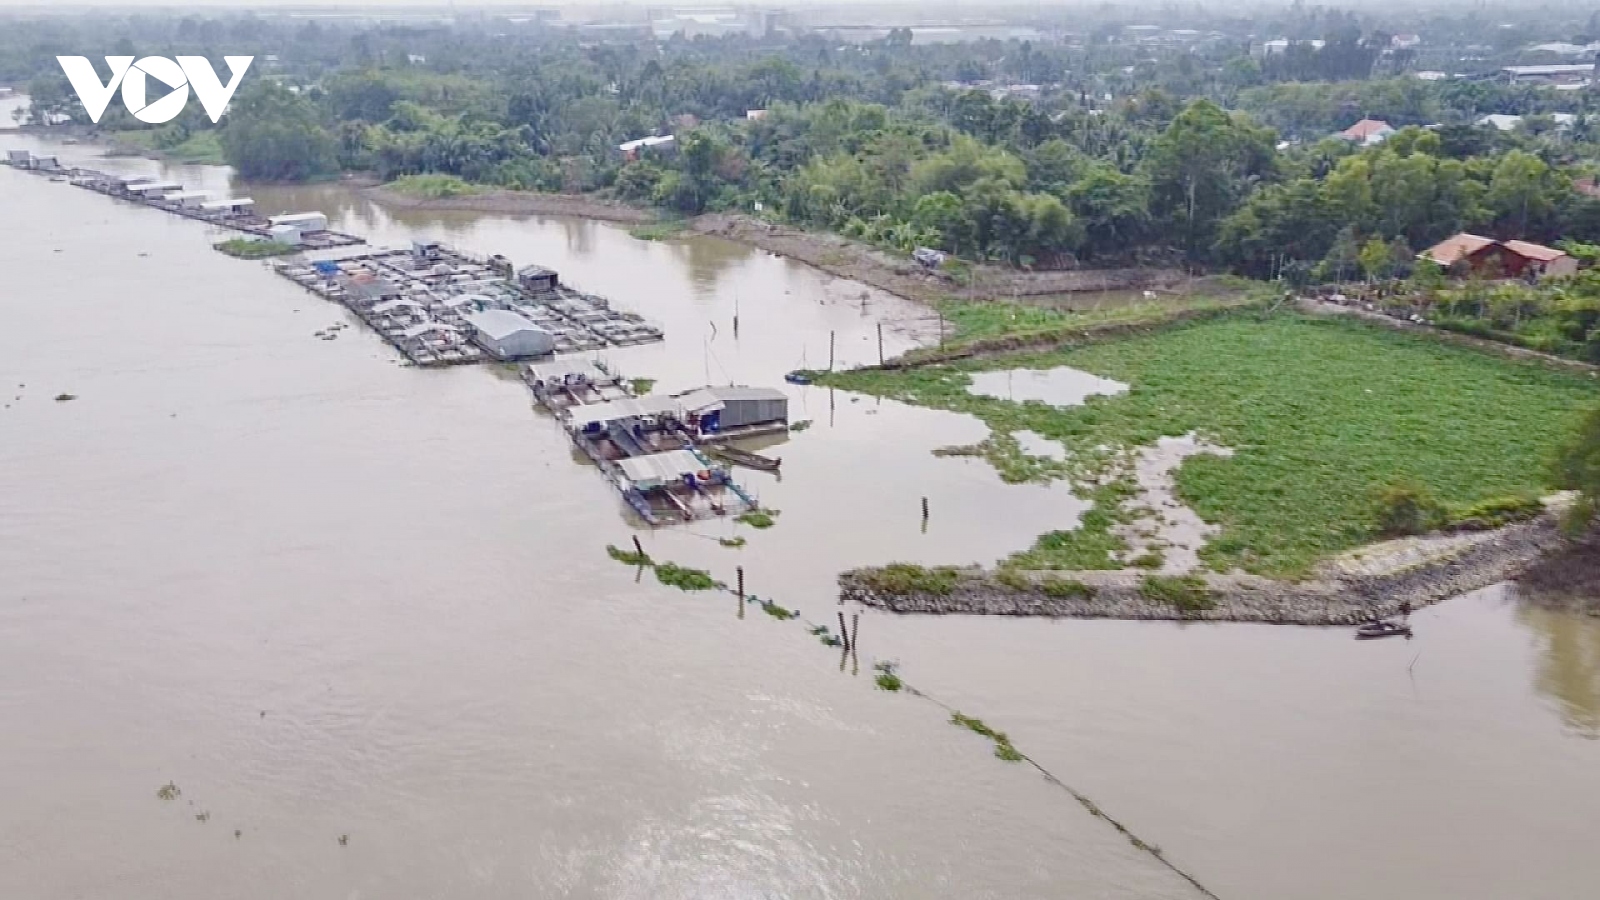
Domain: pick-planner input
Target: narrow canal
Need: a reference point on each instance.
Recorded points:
(326, 596)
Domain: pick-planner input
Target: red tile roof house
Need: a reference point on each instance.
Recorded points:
(1479, 255)
(1367, 131)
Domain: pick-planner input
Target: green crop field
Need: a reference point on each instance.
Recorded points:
(1320, 414)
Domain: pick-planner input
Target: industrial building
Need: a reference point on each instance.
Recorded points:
(509, 335)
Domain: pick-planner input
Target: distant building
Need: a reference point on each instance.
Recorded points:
(755, 115)
(1504, 122)
(1279, 46)
(416, 59)
(1576, 74)
(1474, 254)
(1367, 132)
(1587, 187)
(1404, 41)
(664, 143)
(1430, 75)
(508, 335)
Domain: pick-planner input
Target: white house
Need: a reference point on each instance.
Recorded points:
(508, 335)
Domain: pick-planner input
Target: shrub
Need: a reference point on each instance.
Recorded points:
(907, 578)
(889, 681)
(1405, 507)
(1497, 511)
(1187, 593)
(757, 518)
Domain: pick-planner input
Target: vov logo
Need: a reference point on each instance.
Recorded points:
(188, 71)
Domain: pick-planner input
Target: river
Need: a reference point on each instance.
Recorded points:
(328, 596)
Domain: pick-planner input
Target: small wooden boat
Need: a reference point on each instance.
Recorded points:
(797, 377)
(746, 458)
(1373, 630)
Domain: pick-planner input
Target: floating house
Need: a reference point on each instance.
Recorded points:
(18, 158)
(150, 190)
(508, 335)
(285, 234)
(188, 199)
(426, 250)
(237, 206)
(309, 221)
(563, 383)
(538, 279)
(727, 412)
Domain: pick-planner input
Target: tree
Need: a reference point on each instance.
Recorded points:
(1202, 165)
(1520, 193)
(1375, 258)
(1577, 468)
(271, 134)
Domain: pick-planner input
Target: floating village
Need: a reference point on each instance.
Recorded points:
(669, 456)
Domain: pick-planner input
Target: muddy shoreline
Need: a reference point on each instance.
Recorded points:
(1378, 580)
(517, 203)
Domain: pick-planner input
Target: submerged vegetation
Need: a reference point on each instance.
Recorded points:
(1002, 744)
(684, 578)
(758, 518)
(1321, 413)
(629, 557)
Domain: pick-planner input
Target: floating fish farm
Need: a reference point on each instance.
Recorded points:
(439, 306)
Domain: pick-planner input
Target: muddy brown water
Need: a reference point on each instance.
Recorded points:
(326, 595)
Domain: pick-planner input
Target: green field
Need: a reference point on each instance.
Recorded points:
(1320, 413)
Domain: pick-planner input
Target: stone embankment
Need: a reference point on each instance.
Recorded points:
(1375, 581)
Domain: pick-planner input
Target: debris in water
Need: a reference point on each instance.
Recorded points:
(62, 398)
(237, 833)
(169, 791)
(202, 817)
(344, 839)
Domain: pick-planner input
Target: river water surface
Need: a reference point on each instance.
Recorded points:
(328, 596)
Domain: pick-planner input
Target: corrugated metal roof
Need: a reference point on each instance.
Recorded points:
(556, 370)
(660, 467)
(616, 410)
(428, 328)
(498, 324)
(716, 395)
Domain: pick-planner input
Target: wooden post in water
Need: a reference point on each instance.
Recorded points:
(844, 632)
(831, 336)
(855, 635)
(740, 570)
(880, 343)
(924, 509)
(638, 547)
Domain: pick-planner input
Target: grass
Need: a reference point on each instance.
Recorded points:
(889, 681)
(1186, 592)
(801, 425)
(202, 148)
(778, 612)
(758, 518)
(1320, 413)
(734, 542)
(433, 187)
(245, 248)
(906, 578)
(659, 231)
(1002, 743)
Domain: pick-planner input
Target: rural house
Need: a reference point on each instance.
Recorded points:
(1486, 257)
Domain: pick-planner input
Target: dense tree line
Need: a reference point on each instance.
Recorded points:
(1125, 153)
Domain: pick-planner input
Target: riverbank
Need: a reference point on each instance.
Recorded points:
(1376, 580)
(516, 203)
